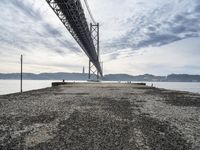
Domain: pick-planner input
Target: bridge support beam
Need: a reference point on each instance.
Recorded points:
(93, 72)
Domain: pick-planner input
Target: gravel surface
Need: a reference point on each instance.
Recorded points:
(100, 116)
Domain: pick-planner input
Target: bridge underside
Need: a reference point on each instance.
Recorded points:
(71, 14)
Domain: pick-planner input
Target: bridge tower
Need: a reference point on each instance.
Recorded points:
(71, 14)
(94, 31)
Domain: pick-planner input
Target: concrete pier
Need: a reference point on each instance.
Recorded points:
(100, 116)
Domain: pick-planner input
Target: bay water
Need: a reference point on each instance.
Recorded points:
(13, 86)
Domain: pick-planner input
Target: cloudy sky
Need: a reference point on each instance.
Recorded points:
(137, 36)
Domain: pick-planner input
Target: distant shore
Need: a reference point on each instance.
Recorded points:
(108, 77)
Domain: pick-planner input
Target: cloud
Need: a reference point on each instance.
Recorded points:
(157, 24)
(133, 24)
(177, 57)
(25, 28)
(134, 35)
(26, 9)
(31, 28)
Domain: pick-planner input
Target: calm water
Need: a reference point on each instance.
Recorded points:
(180, 86)
(13, 86)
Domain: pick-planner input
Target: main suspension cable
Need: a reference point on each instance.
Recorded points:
(89, 11)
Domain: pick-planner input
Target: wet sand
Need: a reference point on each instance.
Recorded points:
(100, 116)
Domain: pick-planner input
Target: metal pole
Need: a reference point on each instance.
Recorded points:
(98, 48)
(89, 69)
(89, 74)
(98, 40)
(102, 67)
(21, 73)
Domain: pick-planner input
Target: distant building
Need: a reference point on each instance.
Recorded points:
(83, 70)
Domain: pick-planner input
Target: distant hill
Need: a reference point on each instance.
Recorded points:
(109, 77)
(183, 78)
(125, 77)
(149, 77)
(45, 76)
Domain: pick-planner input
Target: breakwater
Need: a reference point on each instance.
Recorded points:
(100, 116)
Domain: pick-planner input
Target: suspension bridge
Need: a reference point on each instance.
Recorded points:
(71, 14)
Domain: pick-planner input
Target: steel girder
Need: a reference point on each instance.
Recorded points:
(71, 14)
(94, 30)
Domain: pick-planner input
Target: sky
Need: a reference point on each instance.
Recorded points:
(136, 37)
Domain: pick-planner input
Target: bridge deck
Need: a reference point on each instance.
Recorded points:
(71, 14)
(100, 116)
